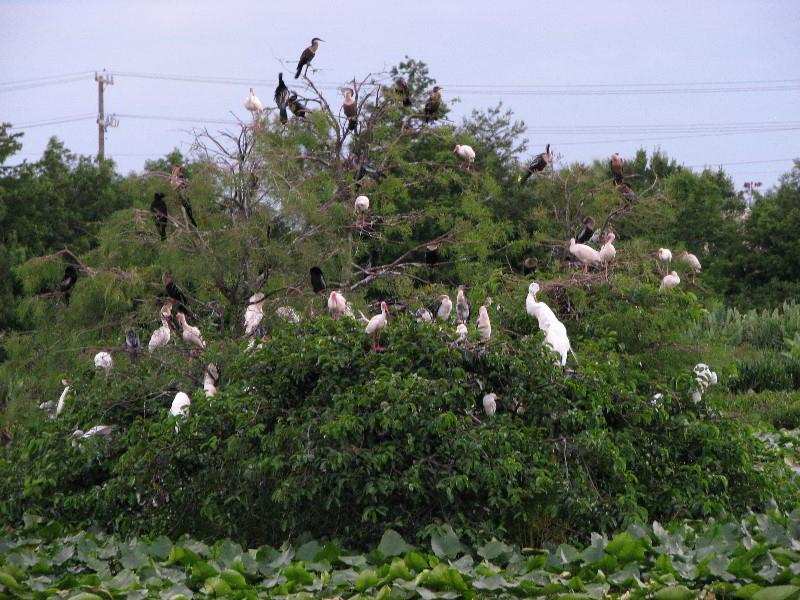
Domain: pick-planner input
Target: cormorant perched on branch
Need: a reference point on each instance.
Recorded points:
(174, 292)
(68, 282)
(538, 164)
(586, 233)
(298, 109)
(401, 87)
(132, 345)
(617, 163)
(307, 56)
(317, 280)
(282, 98)
(350, 109)
(159, 210)
(432, 105)
(179, 184)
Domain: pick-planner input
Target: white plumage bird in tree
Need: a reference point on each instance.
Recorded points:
(669, 282)
(442, 307)
(337, 305)
(490, 404)
(541, 311)
(483, 324)
(253, 314)
(103, 360)
(465, 152)
(423, 315)
(253, 104)
(191, 334)
(210, 380)
(691, 260)
(360, 207)
(585, 254)
(375, 325)
(555, 335)
(608, 252)
(462, 332)
(665, 256)
(180, 405)
(161, 336)
(63, 397)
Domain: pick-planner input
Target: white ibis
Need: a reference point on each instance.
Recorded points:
(617, 163)
(376, 325)
(191, 334)
(538, 164)
(442, 307)
(287, 313)
(423, 315)
(160, 337)
(665, 256)
(539, 310)
(691, 260)
(63, 397)
(180, 404)
(254, 313)
(102, 360)
(462, 332)
(307, 56)
(483, 324)
(465, 152)
(555, 335)
(585, 254)
(210, 380)
(462, 306)
(490, 404)
(350, 108)
(337, 305)
(608, 252)
(361, 206)
(432, 105)
(253, 104)
(669, 281)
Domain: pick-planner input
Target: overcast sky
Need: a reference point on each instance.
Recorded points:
(513, 45)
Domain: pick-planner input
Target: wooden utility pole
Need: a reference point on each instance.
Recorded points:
(102, 81)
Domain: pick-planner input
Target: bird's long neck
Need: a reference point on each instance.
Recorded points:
(313, 47)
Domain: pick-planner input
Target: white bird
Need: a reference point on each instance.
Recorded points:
(361, 206)
(210, 380)
(692, 261)
(423, 315)
(191, 334)
(490, 404)
(665, 256)
(180, 405)
(253, 104)
(160, 337)
(62, 398)
(585, 254)
(102, 360)
(337, 305)
(608, 252)
(254, 313)
(465, 152)
(540, 310)
(483, 324)
(555, 335)
(97, 430)
(669, 281)
(442, 308)
(462, 306)
(376, 325)
(462, 332)
(287, 313)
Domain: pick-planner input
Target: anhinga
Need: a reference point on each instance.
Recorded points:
(401, 87)
(350, 109)
(431, 254)
(626, 192)
(159, 209)
(307, 56)
(68, 281)
(586, 233)
(298, 109)
(317, 280)
(282, 98)
(432, 105)
(174, 292)
(538, 164)
(617, 163)
(179, 184)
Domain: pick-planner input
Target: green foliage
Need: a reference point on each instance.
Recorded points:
(779, 409)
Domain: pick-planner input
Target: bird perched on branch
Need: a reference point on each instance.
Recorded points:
(175, 293)
(159, 209)
(361, 206)
(350, 109)
(462, 332)
(483, 324)
(337, 305)
(541, 311)
(253, 104)
(665, 256)
(161, 336)
(442, 307)
(401, 87)
(490, 404)
(691, 260)
(538, 164)
(462, 306)
(586, 232)
(253, 314)
(617, 163)
(68, 281)
(317, 280)
(669, 282)
(585, 254)
(465, 152)
(432, 105)
(376, 325)
(608, 252)
(282, 98)
(307, 56)
(298, 109)
(210, 380)
(132, 345)
(626, 192)
(191, 335)
(423, 315)
(555, 336)
(103, 360)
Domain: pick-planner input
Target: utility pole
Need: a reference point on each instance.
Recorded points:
(102, 80)
(751, 186)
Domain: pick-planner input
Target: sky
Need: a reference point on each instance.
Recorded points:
(591, 78)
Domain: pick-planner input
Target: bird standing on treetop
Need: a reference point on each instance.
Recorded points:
(132, 345)
(253, 104)
(401, 87)
(669, 281)
(490, 404)
(191, 335)
(538, 164)
(465, 152)
(337, 305)
(307, 56)
(159, 209)
(432, 105)
(442, 307)
(586, 233)
(585, 254)
(253, 314)
(483, 324)
(617, 163)
(282, 98)
(376, 325)
(350, 109)
(298, 109)
(462, 306)
(608, 252)
(626, 191)
(665, 256)
(692, 261)
(68, 281)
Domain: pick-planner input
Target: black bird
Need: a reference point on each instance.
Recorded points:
(174, 292)
(350, 109)
(586, 233)
(432, 105)
(132, 346)
(298, 109)
(282, 98)
(317, 280)
(159, 210)
(529, 265)
(431, 254)
(617, 164)
(626, 192)
(307, 56)
(68, 282)
(401, 87)
(538, 164)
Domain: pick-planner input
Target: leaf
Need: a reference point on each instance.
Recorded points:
(447, 544)
(7, 580)
(746, 591)
(217, 586)
(308, 551)
(777, 592)
(490, 584)
(366, 579)
(132, 558)
(160, 548)
(494, 550)
(64, 554)
(678, 592)
(393, 544)
(234, 578)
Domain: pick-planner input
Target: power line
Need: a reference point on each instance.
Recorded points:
(184, 119)
(46, 78)
(676, 137)
(54, 121)
(28, 86)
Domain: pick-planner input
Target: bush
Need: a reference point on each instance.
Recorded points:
(779, 409)
(767, 371)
